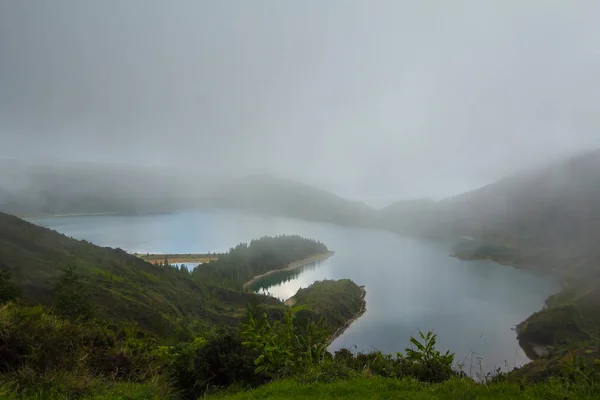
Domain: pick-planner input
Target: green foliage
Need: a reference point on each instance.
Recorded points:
(326, 372)
(217, 362)
(246, 261)
(422, 362)
(365, 387)
(71, 296)
(284, 348)
(576, 369)
(337, 301)
(37, 348)
(8, 289)
(64, 387)
(430, 365)
(125, 289)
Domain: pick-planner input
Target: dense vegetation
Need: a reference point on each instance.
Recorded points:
(125, 289)
(79, 320)
(246, 261)
(339, 301)
(366, 386)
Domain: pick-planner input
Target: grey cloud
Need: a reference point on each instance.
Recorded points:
(374, 100)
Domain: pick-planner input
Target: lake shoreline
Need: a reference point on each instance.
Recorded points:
(41, 216)
(292, 266)
(343, 328)
(533, 351)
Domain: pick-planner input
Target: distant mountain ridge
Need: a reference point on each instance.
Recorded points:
(552, 212)
(283, 197)
(69, 187)
(533, 210)
(546, 219)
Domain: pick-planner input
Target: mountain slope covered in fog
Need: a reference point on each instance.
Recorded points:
(73, 187)
(549, 215)
(288, 198)
(546, 219)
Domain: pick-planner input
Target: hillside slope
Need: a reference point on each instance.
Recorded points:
(60, 187)
(124, 287)
(550, 216)
(275, 196)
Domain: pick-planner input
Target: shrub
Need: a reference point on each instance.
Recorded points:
(209, 364)
(35, 343)
(422, 362)
(8, 289)
(284, 348)
(428, 363)
(71, 298)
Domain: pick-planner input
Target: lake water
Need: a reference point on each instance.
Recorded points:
(411, 284)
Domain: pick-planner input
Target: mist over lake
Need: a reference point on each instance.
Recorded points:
(411, 284)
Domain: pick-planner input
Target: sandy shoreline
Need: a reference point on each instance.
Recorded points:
(182, 260)
(293, 265)
(177, 258)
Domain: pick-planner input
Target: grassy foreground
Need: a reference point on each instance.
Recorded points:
(390, 388)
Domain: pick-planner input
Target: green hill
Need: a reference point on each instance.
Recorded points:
(165, 301)
(339, 301)
(124, 287)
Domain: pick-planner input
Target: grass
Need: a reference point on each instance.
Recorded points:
(99, 390)
(389, 388)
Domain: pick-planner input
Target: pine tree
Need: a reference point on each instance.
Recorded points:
(71, 299)
(8, 289)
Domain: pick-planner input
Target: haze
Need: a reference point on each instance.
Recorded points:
(376, 101)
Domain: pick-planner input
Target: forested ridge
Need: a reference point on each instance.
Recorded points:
(247, 260)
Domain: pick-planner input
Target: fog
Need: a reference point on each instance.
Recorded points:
(376, 101)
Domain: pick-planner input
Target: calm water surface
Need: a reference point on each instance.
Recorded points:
(411, 284)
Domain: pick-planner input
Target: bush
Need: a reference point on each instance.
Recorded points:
(284, 347)
(210, 364)
(327, 372)
(8, 289)
(427, 362)
(35, 344)
(422, 362)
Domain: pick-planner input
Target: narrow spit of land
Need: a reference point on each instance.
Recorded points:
(293, 265)
(178, 258)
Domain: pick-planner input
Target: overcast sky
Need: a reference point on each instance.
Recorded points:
(374, 100)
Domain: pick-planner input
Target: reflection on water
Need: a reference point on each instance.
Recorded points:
(411, 284)
(285, 283)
